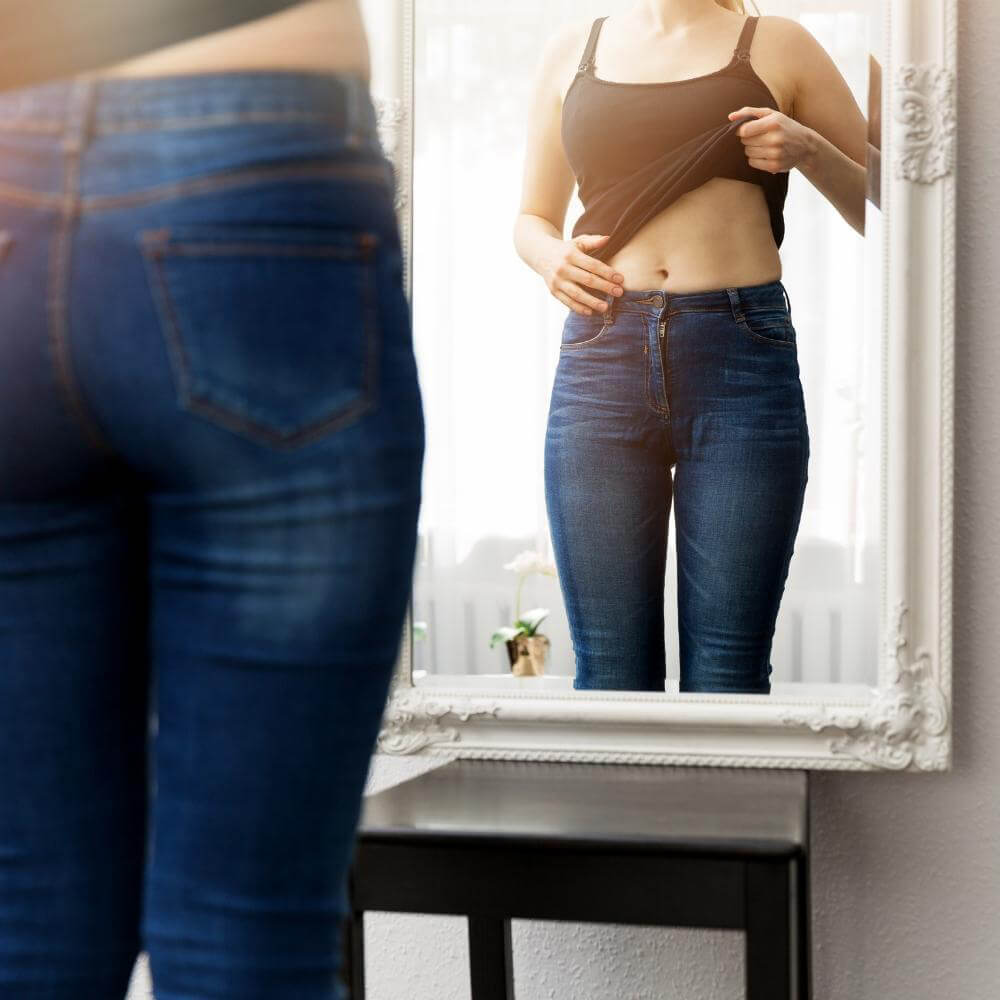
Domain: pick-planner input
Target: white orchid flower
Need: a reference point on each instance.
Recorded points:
(530, 561)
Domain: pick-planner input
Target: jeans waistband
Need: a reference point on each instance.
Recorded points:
(116, 104)
(737, 298)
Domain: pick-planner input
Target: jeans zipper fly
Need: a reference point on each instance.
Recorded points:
(662, 331)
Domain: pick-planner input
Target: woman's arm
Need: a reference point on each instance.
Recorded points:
(822, 101)
(43, 39)
(826, 136)
(842, 180)
(547, 185)
(547, 179)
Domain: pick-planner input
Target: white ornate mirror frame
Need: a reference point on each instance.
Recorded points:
(905, 722)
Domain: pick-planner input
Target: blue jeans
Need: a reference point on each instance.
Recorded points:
(211, 441)
(707, 384)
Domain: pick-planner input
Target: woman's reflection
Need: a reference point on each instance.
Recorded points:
(678, 351)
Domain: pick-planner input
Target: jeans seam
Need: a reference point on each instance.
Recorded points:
(376, 171)
(47, 125)
(57, 294)
(220, 119)
(13, 194)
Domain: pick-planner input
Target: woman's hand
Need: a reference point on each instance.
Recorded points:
(566, 268)
(774, 142)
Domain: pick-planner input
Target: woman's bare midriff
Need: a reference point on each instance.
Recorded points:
(716, 236)
(318, 35)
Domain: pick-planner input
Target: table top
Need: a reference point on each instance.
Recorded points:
(636, 807)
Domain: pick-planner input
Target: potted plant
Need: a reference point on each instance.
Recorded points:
(527, 648)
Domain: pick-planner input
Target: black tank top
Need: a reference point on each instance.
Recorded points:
(636, 147)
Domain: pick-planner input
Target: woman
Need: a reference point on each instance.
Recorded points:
(211, 441)
(678, 349)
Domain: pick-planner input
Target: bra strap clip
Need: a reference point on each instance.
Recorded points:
(742, 51)
(588, 61)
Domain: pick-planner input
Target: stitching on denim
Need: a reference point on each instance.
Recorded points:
(699, 309)
(377, 172)
(46, 125)
(14, 194)
(360, 134)
(154, 244)
(678, 312)
(112, 127)
(57, 308)
(742, 323)
(57, 293)
(194, 249)
(663, 411)
(263, 434)
(650, 396)
(164, 306)
(608, 322)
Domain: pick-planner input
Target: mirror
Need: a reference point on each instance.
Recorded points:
(861, 647)
(487, 333)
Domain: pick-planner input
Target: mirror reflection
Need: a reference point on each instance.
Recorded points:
(646, 290)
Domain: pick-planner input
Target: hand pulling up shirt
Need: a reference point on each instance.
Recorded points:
(637, 147)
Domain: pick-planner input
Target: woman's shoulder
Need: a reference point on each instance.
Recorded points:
(561, 54)
(788, 54)
(569, 40)
(780, 30)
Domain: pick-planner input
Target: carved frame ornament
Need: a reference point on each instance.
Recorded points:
(903, 724)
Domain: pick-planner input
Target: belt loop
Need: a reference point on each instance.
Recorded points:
(610, 314)
(78, 123)
(350, 111)
(788, 301)
(735, 302)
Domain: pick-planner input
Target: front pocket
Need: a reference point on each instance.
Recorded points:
(770, 325)
(272, 330)
(580, 330)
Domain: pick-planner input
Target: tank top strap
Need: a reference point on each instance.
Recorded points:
(587, 63)
(742, 51)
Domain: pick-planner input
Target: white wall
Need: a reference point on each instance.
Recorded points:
(906, 868)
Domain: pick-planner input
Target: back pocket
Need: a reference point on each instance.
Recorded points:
(272, 330)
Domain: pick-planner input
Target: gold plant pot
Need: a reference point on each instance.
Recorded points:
(527, 655)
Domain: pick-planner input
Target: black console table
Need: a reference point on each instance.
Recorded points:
(631, 844)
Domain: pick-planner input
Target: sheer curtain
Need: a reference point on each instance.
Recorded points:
(487, 339)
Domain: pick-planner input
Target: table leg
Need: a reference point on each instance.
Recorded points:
(353, 955)
(491, 964)
(771, 923)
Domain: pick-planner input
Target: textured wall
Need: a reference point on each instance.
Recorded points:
(906, 868)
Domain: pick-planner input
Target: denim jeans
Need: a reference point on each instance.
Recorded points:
(211, 441)
(705, 384)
